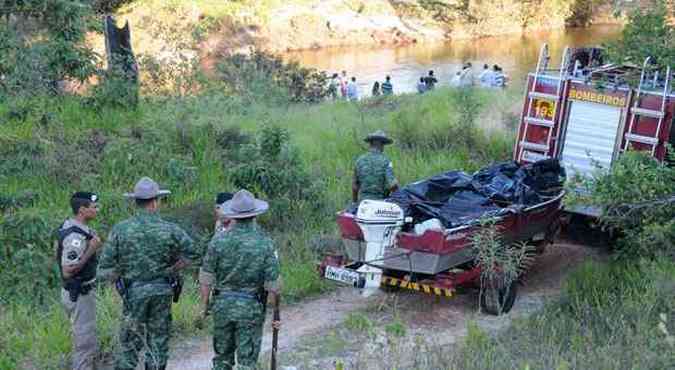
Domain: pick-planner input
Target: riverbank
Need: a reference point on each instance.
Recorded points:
(223, 28)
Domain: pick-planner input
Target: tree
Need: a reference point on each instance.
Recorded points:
(647, 33)
(42, 43)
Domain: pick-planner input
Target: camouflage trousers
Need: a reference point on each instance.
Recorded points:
(240, 337)
(82, 315)
(146, 323)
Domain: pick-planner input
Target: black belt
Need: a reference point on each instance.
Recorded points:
(233, 294)
(158, 281)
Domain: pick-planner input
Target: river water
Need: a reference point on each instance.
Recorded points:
(517, 55)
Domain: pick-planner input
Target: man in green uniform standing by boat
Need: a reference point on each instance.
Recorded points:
(374, 174)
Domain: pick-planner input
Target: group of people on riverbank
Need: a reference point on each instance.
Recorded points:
(489, 78)
(341, 86)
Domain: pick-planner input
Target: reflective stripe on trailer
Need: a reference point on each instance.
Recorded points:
(424, 288)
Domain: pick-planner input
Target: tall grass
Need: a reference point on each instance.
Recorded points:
(607, 318)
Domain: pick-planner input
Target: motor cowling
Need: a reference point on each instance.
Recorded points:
(380, 222)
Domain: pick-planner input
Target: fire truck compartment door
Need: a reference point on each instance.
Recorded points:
(590, 139)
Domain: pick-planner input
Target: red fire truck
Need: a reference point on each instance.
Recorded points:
(587, 113)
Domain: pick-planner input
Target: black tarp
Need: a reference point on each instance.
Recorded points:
(456, 197)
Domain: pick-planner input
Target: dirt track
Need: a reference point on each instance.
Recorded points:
(306, 326)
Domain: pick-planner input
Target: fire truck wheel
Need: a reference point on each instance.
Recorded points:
(496, 301)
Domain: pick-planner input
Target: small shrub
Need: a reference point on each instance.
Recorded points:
(407, 130)
(231, 138)
(26, 238)
(263, 76)
(396, 328)
(274, 168)
(500, 264)
(359, 322)
(23, 199)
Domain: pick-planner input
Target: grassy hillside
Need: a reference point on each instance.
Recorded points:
(197, 147)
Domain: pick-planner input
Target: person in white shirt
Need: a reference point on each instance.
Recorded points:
(486, 77)
(353, 90)
(456, 80)
(467, 75)
(499, 79)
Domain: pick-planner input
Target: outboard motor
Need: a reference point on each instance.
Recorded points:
(380, 222)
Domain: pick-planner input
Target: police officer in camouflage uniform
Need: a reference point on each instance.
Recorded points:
(76, 250)
(240, 265)
(373, 174)
(145, 254)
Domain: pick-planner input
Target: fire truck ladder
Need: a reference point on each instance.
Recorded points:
(638, 111)
(533, 94)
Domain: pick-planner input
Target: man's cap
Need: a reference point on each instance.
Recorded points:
(243, 205)
(380, 136)
(223, 197)
(146, 188)
(85, 195)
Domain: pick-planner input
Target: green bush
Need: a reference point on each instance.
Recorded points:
(26, 237)
(263, 76)
(636, 196)
(42, 44)
(647, 34)
(273, 167)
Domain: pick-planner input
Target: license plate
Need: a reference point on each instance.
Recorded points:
(342, 275)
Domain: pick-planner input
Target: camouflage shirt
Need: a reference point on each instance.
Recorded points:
(242, 259)
(375, 175)
(144, 248)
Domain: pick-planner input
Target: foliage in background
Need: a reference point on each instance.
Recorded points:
(636, 199)
(266, 76)
(42, 44)
(648, 33)
(274, 168)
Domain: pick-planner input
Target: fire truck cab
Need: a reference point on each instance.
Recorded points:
(586, 113)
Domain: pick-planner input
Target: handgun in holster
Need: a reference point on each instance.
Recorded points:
(176, 286)
(74, 288)
(122, 288)
(262, 295)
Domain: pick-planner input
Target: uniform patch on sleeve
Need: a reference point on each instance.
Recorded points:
(391, 165)
(72, 256)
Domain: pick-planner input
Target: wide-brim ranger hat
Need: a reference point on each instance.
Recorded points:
(380, 136)
(243, 205)
(147, 188)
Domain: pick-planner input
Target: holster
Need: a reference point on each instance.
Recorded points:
(121, 286)
(74, 288)
(262, 298)
(176, 283)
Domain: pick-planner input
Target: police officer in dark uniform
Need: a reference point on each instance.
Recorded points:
(76, 248)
